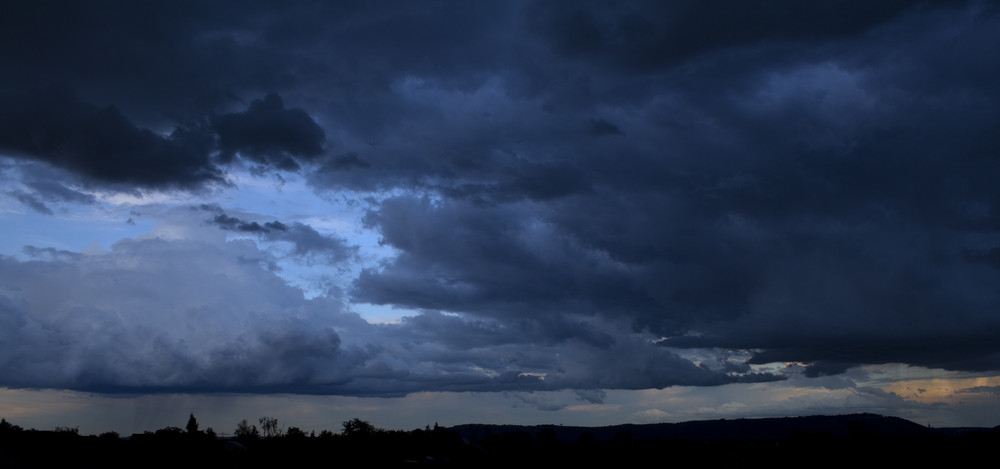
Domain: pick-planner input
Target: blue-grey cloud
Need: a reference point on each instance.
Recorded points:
(181, 315)
(306, 241)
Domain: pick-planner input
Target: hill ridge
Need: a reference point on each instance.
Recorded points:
(842, 426)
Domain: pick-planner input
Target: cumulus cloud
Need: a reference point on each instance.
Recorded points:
(159, 314)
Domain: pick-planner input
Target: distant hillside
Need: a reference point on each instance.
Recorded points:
(840, 426)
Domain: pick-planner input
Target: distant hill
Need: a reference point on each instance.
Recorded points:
(839, 426)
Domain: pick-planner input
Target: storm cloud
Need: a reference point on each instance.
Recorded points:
(267, 133)
(572, 195)
(101, 143)
(169, 314)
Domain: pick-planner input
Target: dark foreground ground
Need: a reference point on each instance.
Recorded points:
(824, 441)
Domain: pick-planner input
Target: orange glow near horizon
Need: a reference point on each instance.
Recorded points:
(933, 390)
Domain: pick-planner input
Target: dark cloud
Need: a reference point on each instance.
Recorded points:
(826, 205)
(227, 222)
(308, 243)
(345, 162)
(101, 143)
(32, 202)
(983, 389)
(990, 256)
(601, 127)
(127, 97)
(105, 147)
(794, 181)
(648, 36)
(50, 253)
(158, 62)
(56, 191)
(43, 186)
(490, 260)
(267, 133)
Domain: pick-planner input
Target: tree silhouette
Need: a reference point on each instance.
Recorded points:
(269, 425)
(357, 426)
(245, 431)
(295, 432)
(7, 427)
(192, 425)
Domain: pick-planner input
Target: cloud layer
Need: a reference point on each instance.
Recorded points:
(167, 313)
(577, 195)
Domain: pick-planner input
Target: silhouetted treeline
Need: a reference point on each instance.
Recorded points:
(856, 439)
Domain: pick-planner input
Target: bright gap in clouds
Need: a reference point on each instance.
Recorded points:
(27, 228)
(382, 314)
(286, 198)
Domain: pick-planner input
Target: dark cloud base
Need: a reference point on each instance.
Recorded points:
(106, 148)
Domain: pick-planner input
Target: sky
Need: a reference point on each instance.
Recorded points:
(581, 213)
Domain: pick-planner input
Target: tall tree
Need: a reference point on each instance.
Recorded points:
(269, 425)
